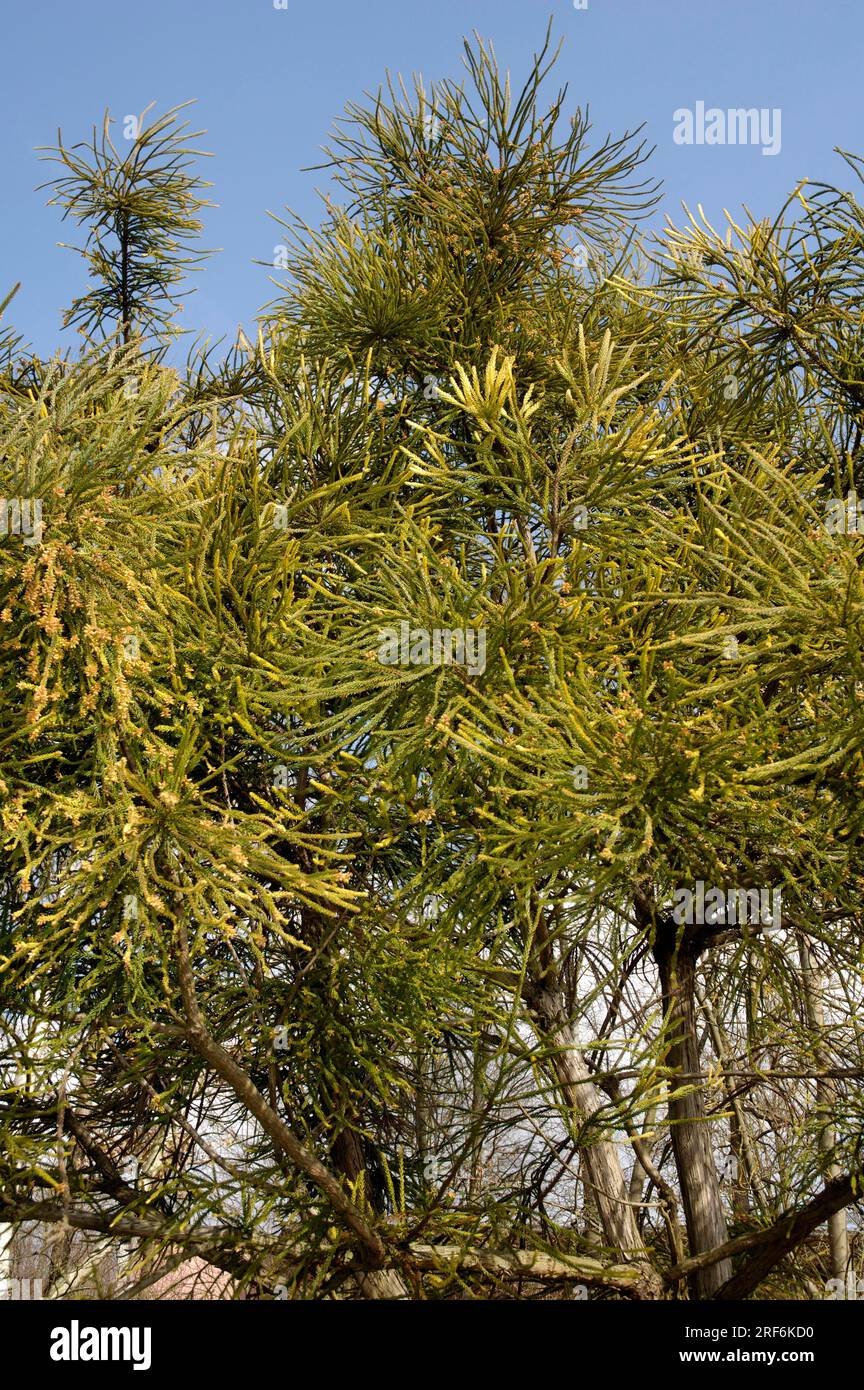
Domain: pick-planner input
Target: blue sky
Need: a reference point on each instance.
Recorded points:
(269, 82)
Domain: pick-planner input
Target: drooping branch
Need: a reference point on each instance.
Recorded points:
(247, 1092)
(767, 1247)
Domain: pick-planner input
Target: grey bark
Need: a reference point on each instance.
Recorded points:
(689, 1130)
(599, 1156)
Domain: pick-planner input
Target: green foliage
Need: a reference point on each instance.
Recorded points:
(230, 831)
(140, 210)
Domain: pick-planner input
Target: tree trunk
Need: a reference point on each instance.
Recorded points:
(599, 1156)
(747, 1179)
(348, 1158)
(838, 1239)
(690, 1132)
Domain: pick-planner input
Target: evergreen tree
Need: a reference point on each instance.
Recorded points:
(376, 701)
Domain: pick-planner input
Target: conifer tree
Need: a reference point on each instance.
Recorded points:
(376, 701)
(141, 213)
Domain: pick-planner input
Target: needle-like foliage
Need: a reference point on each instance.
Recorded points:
(372, 701)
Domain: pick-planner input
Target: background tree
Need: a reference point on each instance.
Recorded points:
(141, 213)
